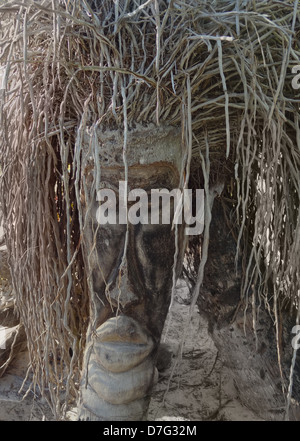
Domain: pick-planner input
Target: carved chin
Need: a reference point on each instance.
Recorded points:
(123, 387)
(121, 344)
(121, 371)
(94, 408)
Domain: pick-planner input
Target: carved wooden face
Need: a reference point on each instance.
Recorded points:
(140, 288)
(130, 271)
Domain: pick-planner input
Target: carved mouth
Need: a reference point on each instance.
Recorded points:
(120, 370)
(121, 344)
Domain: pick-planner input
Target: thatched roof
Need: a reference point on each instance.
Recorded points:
(220, 70)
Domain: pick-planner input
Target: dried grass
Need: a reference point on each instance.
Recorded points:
(221, 68)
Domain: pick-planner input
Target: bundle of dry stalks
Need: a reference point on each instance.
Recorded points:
(221, 70)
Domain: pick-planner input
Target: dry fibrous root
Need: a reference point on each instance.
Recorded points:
(221, 71)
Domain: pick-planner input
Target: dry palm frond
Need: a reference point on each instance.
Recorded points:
(221, 70)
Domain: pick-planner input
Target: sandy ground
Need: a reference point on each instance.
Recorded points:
(195, 386)
(201, 387)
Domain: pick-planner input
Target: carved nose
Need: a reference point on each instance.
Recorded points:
(121, 292)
